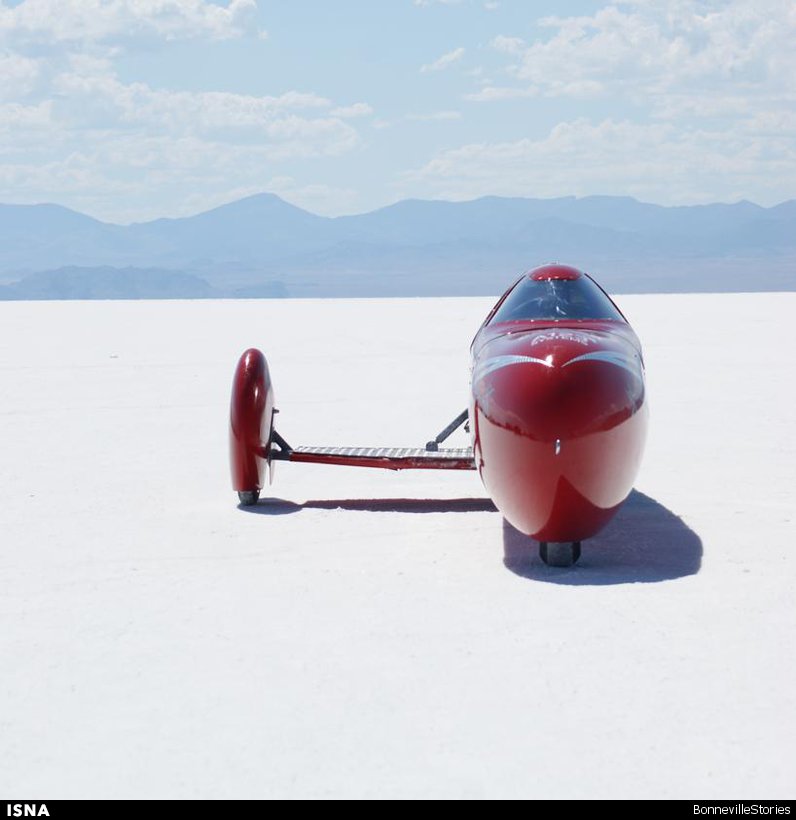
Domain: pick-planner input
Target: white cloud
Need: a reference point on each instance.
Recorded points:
(653, 161)
(651, 50)
(445, 61)
(127, 177)
(492, 5)
(16, 119)
(89, 137)
(97, 21)
(292, 124)
(359, 109)
(18, 75)
(698, 95)
(702, 87)
(437, 2)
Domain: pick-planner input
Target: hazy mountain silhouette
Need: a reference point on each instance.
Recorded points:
(263, 246)
(108, 283)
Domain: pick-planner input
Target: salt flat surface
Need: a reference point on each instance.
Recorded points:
(368, 633)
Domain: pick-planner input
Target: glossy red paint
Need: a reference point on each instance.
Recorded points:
(558, 420)
(561, 272)
(251, 415)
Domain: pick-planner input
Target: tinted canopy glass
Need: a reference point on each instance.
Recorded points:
(551, 299)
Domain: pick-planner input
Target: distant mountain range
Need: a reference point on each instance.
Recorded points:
(262, 246)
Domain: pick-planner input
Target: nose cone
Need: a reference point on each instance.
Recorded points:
(560, 421)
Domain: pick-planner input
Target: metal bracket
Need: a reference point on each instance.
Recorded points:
(284, 451)
(433, 446)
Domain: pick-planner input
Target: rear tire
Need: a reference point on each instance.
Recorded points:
(248, 497)
(559, 553)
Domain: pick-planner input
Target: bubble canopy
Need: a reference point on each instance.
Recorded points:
(556, 292)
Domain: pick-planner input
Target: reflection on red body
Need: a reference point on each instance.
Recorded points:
(558, 417)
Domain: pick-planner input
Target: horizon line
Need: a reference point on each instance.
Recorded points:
(282, 199)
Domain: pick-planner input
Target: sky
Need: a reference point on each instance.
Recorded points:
(131, 110)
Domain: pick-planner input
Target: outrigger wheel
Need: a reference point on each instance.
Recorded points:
(559, 553)
(251, 420)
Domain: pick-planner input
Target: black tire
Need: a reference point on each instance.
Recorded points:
(559, 553)
(248, 497)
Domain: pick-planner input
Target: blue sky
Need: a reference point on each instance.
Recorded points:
(134, 109)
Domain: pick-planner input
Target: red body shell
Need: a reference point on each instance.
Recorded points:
(558, 419)
(251, 417)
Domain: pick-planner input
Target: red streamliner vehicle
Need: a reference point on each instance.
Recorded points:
(557, 414)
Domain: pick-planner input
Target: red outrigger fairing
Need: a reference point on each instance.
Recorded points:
(557, 414)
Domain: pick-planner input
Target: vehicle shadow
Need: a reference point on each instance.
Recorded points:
(280, 506)
(645, 543)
